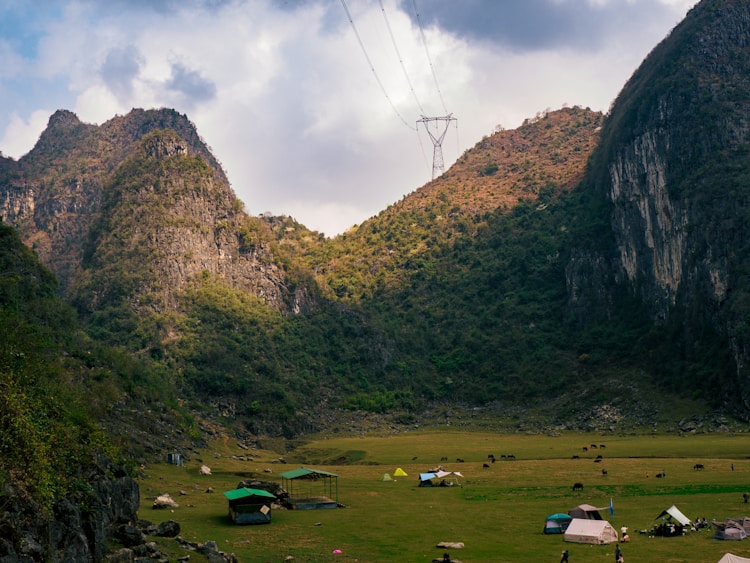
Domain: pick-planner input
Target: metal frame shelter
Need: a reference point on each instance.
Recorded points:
(249, 506)
(311, 488)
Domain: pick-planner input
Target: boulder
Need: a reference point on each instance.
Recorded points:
(165, 501)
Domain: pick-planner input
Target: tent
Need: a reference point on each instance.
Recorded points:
(673, 513)
(447, 478)
(249, 506)
(399, 473)
(598, 532)
(556, 523)
(729, 530)
(586, 511)
(729, 558)
(386, 477)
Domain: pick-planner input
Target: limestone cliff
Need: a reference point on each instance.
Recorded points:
(672, 169)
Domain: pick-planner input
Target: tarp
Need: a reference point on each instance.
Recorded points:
(729, 558)
(598, 532)
(399, 473)
(447, 478)
(386, 477)
(675, 513)
(556, 523)
(587, 511)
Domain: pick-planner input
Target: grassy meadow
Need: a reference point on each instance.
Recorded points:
(498, 512)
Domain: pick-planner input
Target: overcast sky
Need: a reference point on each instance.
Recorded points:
(305, 121)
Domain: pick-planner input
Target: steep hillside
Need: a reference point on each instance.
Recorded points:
(672, 195)
(543, 158)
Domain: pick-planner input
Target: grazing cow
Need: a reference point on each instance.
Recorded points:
(486, 466)
(459, 460)
(593, 446)
(443, 458)
(577, 486)
(600, 456)
(604, 472)
(745, 496)
(510, 456)
(698, 466)
(598, 460)
(660, 475)
(602, 446)
(585, 449)
(576, 457)
(415, 457)
(491, 456)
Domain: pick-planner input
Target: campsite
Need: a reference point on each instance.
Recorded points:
(498, 510)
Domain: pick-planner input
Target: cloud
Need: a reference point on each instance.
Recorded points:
(541, 24)
(19, 135)
(121, 66)
(190, 84)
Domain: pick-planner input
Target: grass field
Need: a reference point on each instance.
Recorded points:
(497, 512)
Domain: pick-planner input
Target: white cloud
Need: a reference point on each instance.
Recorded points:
(20, 136)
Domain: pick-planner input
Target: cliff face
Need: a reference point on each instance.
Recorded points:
(87, 199)
(673, 168)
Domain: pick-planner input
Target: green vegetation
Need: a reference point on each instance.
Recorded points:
(49, 391)
(498, 512)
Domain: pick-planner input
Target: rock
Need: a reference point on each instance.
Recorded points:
(168, 529)
(129, 535)
(165, 501)
(451, 545)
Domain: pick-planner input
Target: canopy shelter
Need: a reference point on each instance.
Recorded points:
(586, 512)
(596, 532)
(440, 479)
(249, 506)
(673, 523)
(556, 523)
(673, 513)
(729, 558)
(311, 488)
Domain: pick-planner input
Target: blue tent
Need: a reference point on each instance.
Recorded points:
(556, 523)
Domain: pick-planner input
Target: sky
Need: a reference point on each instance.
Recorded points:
(312, 106)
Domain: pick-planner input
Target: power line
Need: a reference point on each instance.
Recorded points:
(372, 68)
(427, 52)
(400, 59)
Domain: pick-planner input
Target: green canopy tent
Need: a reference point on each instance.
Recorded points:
(249, 506)
(311, 488)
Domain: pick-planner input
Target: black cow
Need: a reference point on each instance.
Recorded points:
(577, 486)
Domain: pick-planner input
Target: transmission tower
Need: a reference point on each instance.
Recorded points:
(438, 167)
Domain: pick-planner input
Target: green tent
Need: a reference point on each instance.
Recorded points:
(386, 477)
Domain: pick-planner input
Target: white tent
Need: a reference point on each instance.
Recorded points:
(675, 513)
(729, 558)
(597, 532)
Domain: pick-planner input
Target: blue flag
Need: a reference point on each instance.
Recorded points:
(611, 507)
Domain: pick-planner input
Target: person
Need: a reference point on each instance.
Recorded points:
(446, 557)
(564, 557)
(618, 553)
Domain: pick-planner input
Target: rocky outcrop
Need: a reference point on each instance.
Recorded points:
(149, 175)
(78, 528)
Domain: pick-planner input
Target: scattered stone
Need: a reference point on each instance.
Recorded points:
(165, 501)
